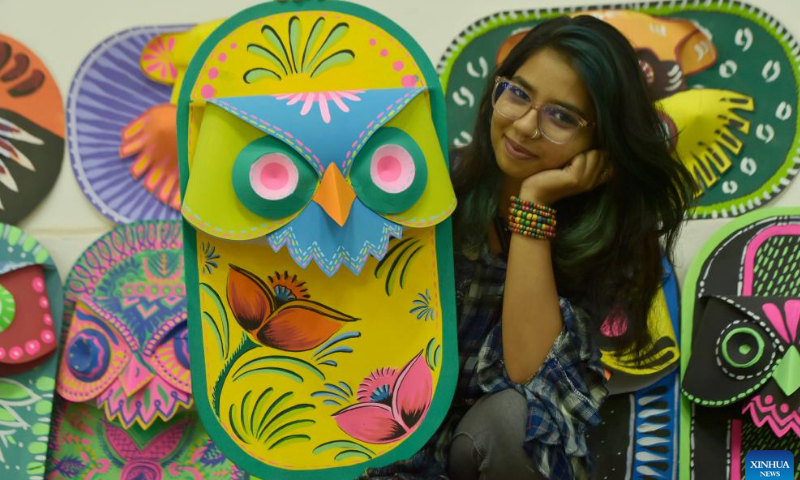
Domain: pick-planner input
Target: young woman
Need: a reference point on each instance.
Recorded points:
(567, 198)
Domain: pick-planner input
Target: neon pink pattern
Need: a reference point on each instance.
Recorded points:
(786, 325)
(764, 411)
(752, 250)
(736, 450)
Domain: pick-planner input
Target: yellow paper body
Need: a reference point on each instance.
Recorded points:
(390, 336)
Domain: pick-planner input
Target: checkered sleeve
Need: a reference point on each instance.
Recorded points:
(564, 397)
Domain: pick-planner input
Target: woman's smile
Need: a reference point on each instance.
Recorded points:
(516, 150)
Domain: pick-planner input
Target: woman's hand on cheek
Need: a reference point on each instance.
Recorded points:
(584, 172)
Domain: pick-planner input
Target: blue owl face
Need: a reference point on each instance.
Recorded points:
(331, 176)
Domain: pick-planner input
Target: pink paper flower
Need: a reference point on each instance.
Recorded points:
(391, 406)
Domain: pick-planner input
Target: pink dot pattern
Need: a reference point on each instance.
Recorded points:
(31, 348)
(407, 81)
(207, 91)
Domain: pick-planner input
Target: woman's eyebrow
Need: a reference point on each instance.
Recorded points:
(531, 90)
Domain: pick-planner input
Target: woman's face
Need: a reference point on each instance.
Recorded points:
(547, 77)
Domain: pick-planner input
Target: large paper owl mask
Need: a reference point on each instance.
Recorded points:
(311, 138)
(743, 374)
(126, 349)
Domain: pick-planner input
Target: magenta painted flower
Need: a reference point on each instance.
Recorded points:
(391, 405)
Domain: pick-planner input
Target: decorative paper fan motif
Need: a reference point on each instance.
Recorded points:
(31, 130)
(121, 119)
(30, 321)
(737, 63)
(311, 139)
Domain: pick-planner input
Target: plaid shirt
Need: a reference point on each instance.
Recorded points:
(563, 397)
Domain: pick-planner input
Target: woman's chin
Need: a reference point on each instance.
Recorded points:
(516, 169)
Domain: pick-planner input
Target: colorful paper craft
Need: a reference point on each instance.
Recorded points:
(740, 369)
(311, 137)
(726, 75)
(31, 131)
(30, 322)
(86, 445)
(638, 436)
(126, 348)
(121, 117)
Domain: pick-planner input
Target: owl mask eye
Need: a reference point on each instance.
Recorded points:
(88, 355)
(272, 180)
(732, 346)
(390, 173)
(741, 348)
(94, 356)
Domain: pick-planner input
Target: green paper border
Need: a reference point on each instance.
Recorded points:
(449, 373)
(270, 209)
(687, 313)
(732, 208)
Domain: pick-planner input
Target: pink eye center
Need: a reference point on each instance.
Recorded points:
(392, 168)
(274, 176)
(389, 168)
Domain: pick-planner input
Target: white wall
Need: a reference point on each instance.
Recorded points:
(62, 32)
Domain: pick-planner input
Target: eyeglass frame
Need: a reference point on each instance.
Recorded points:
(582, 122)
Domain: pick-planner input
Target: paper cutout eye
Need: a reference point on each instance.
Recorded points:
(272, 180)
(390, 173)
(742, 350)
(88, 355)
(392, 168)
(273, 176)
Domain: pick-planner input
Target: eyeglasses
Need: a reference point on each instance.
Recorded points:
(555, 123)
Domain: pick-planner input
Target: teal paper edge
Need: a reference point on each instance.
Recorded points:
(725, 209)
(55, 294)
(687, 313)
(449, 372)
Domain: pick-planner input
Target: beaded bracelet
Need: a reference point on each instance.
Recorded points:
(531, 220)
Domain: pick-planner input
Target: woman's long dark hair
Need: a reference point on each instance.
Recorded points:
(607, 255)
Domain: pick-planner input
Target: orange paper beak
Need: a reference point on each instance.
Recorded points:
(335, 195)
